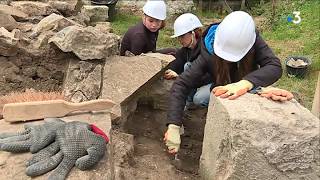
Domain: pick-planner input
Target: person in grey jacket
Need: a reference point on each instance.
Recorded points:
(236, 58)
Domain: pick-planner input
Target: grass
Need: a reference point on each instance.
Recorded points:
(284, 38)
(122, 22)
(288, 39)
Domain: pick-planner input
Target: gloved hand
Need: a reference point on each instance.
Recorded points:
(75, 145)
(172, 138)
(33, 138)
(233, 90)
(275, 94)
(170, 74)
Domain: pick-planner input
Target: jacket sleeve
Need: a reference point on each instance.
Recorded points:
(178, 64)
(182, 86)
(270, 66)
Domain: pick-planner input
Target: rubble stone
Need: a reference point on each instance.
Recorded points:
(8, 22)
(96, 13)
(86, 43)
(5, 9)
(8, 43)
(104, 27)
(53, 22)
(83, 80)
(33, 8)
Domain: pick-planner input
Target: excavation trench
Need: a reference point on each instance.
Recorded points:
(149, 159)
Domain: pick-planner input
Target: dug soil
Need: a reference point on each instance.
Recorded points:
(150, 159)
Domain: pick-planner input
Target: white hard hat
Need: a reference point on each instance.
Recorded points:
(185, 23)
(156, 9)
(235, 36)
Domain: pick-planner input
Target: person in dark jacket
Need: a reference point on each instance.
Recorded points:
(142, 38)
(237, 59)
(187, 28)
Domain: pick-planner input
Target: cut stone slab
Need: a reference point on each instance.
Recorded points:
(124, 76)
(8, 22)
(5, 9)
(86, 43)
(12, 166)
(256, 138)
(33, 8)
(8, 43)
(96, 13)
(52, 22)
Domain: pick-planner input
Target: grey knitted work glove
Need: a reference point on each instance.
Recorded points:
(75, 145)
(33, 138)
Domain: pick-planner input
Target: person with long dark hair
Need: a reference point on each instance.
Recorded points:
(236, 58)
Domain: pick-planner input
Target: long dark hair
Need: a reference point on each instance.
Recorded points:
(198, 33)
(226, 72)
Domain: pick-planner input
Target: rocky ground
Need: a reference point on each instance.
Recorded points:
(149, 159)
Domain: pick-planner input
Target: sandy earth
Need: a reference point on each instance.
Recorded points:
(150, 159)
(40, 72)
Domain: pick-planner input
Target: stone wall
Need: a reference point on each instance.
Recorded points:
(173, 7)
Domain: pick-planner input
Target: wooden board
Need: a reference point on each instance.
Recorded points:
(26, 111)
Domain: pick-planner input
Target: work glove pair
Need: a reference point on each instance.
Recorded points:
(170, 74)
(74, 144)
(235, 90)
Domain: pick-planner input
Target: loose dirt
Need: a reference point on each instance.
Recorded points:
(43, 72)
(150, 159)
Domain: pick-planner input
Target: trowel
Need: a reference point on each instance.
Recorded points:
(26, 111)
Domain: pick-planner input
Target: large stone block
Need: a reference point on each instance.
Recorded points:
(96, 13)
(256, 138)
(86, 43)
(126, 79)
(316, 100)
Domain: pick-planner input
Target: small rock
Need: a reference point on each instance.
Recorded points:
(17, 14)
(296, 63)
(8, 22)
(33, 8)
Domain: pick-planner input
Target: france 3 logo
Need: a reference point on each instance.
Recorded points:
(296, 19)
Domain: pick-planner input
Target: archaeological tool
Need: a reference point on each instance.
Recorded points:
(26, 111)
